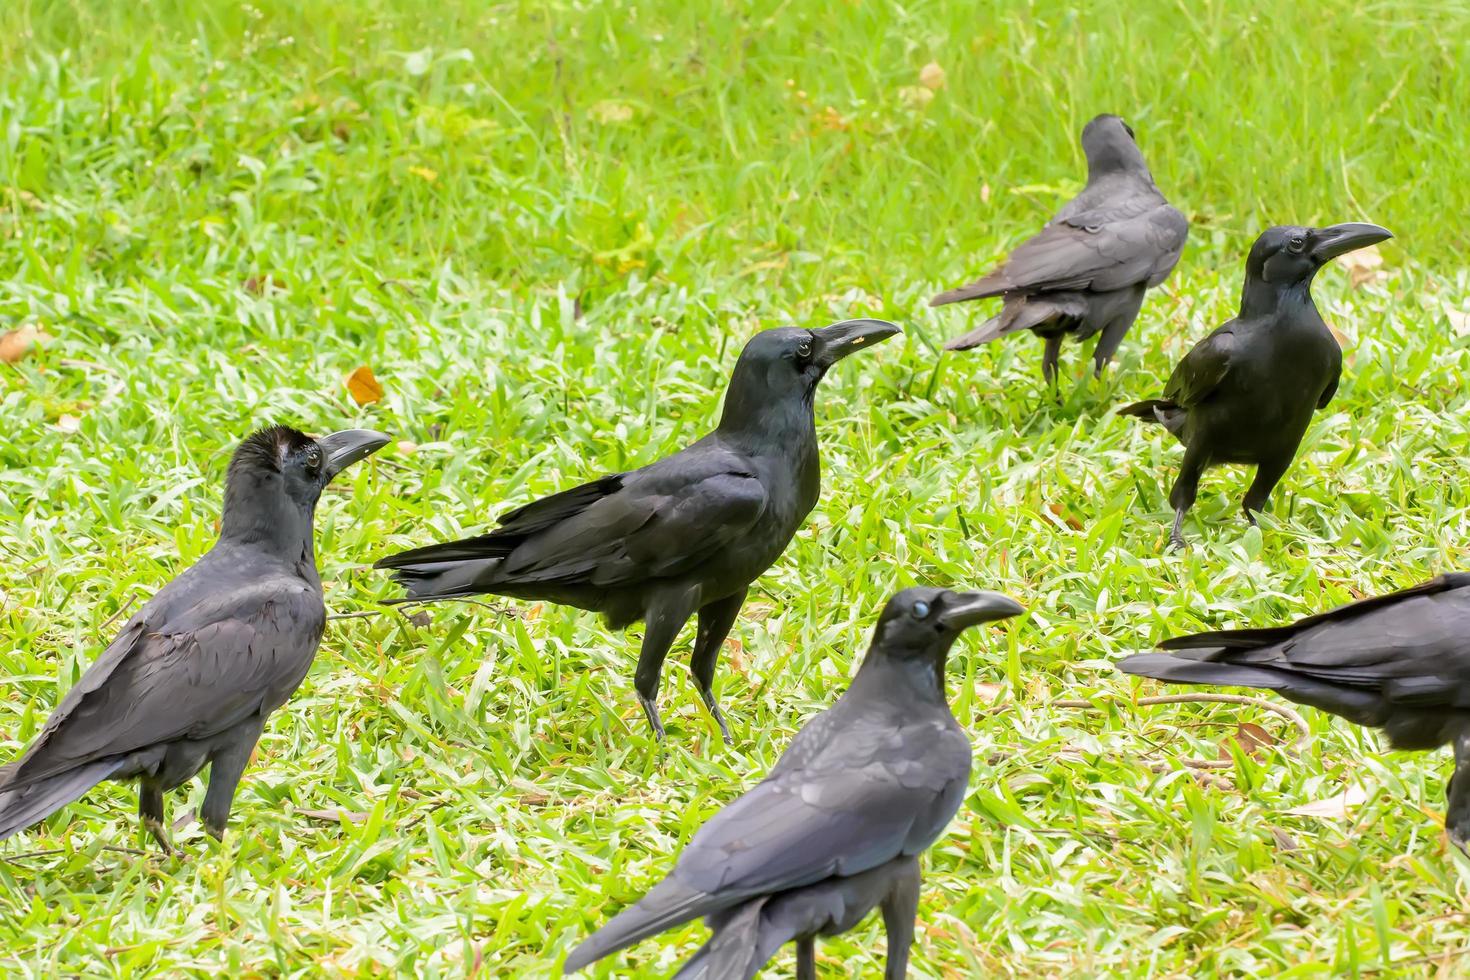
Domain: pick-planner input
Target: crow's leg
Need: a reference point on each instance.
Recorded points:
(1186, 488)
(226, 767)
(1268, 474)
(1457, 793)
(806, 958)
(1049, 358)
(715, 620)
(664, 617)
(900, 909)
(150, 809)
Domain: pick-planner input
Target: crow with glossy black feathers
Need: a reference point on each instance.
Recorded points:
(683, 536)
(1086, 272)
(192, 677)
(1398, 662)
(1246, 393)
(836, 829)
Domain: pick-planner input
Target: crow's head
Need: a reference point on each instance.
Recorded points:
(780, 368)
(923, 623)
(1109, 146)
(278, 473)
(1290, 255)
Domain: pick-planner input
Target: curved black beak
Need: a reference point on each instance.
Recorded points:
(840, 339)
(344, 448)
(1335, 240)
(961, 610)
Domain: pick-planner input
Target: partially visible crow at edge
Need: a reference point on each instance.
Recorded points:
(1087, 270)
(1399, 662)
(192, 677)
(836, 829)
(1246, 393)
(683, 536)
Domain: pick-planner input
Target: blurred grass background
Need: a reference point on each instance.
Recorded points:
(548, 227)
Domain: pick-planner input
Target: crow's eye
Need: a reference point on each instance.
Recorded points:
(1296, 244)
(921, 609)
(805, 350)
(313, 457)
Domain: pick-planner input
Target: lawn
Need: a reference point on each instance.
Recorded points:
(548, 228)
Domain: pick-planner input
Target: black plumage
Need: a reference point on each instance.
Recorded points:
(682, 536)
(1246, 393)
(1086, 272)
(191, 678)
(1398, 662)
(837, 827)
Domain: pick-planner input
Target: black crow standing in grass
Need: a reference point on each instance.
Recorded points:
(685, 535)
(1086, 272)
(836, 829)
(1246, 393)
(192, 677)
(1399, 662)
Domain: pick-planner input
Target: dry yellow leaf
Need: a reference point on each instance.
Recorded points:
(931, 76)
(363, 387)
(915, 96)
(609, 112)
(424, 172)
(1333, 807)
(15, 344)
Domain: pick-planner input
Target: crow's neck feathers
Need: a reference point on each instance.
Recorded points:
(259, 511)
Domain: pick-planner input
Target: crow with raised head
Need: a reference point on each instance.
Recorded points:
(1398, 662)
(1085, 273)
(683, 536)
(1246, 393)
(192, 677)
(836, 829)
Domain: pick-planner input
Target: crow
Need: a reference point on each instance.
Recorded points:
(1246, 393)
(836, 829)
(1086, 272)
(191, 678)
(1397, 662)
(684, 535)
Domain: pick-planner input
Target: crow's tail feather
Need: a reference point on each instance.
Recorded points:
(668, 904)
(454, 579)
(1159, 411)
(23, 805)
(744, 941)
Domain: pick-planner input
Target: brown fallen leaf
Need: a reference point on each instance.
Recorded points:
(17, 343)
(334, 815)
(931, 76)
(1335, 807)
(988, 692)
(1284, 841)
(1066, 518)
(363, 387)
(1251, 738)
(1364, 265)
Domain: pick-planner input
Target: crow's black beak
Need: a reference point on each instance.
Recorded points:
(960, 610)
(344, 448)
(840, 339)
(1336, 240)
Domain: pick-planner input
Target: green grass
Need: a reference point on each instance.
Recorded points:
(217, 211)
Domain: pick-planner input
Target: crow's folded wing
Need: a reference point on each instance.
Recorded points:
(203, 671)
